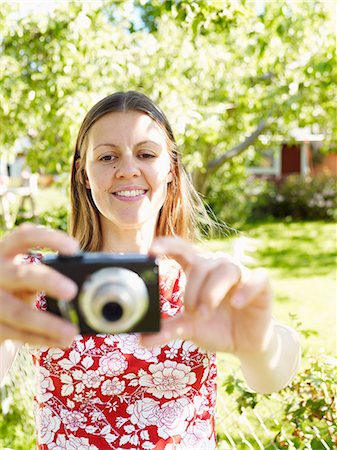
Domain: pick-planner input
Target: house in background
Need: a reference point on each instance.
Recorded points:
(302, 157)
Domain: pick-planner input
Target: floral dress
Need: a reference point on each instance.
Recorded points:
(108, 392)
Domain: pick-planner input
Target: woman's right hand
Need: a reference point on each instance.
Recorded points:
(21, 282)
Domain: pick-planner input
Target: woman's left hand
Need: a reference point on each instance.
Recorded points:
(225, 309)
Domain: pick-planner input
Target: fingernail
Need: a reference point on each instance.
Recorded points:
(68, 289)
(238, 301)
(68, 334)
(69, 329)
(65, 343)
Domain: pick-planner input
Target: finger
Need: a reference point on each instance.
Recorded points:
(18, 316)
(28, 236)
(26, 296)
(257, 288)
(198, 274)
(219, 285)
(39, 277)
(7, 332)
(177, 248)
(179, 327)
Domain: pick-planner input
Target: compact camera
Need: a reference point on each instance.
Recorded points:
(116, 293)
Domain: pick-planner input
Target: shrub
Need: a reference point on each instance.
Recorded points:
(227, 193)
(296, 197)
(17, 429)
(310, 412)
(301, 416)
(57, 218)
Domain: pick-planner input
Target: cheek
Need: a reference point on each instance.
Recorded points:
(161, 174)
(159, 183)
(96, 180)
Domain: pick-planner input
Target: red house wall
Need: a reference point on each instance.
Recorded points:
(328, 165)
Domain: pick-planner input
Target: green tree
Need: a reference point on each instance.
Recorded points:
(228, 76)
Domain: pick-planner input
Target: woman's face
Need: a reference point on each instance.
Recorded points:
(127, 169)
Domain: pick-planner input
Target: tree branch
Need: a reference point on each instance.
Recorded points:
(266, 77)
(217, 162)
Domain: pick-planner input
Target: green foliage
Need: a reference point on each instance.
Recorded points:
(216, 68)
(306, 410)
(56, 219)
(17, 429)
(202, 16)
(296, 197)
(227, 195)
(236, 198)
(310, 413)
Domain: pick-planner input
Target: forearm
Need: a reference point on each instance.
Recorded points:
(274, 368)
(8, 352)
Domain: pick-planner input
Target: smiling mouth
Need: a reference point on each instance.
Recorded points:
(129, 194)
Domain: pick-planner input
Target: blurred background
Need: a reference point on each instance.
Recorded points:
(250, 90)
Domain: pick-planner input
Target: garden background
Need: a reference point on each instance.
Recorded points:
(238, 81)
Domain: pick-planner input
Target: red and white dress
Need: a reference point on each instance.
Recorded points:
(107, 392)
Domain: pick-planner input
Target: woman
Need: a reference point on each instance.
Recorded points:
(129, 193)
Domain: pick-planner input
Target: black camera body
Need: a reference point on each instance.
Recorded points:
(117, 293)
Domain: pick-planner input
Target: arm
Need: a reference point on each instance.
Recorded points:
(229, 309)
(273, 368)
(8, 353)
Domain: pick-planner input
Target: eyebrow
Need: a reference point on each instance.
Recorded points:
(110, 144)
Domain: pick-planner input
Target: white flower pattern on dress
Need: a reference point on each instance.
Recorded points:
(168, 379)
(141, 412)
(73, 420)
(46, 385)
(173, 417)
(113, 364)
(48, 425)
(113, 387)
(73, 443)
(107, 392)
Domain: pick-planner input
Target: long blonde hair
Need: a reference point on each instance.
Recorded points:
(182, 214)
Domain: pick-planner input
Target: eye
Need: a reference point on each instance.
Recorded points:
(146, 155)
(107, 158)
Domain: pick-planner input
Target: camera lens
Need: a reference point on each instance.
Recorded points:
(112, 311)
(113, 300)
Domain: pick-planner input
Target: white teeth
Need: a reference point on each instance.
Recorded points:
(130, 193)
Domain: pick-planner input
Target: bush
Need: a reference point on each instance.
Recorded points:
(296, 197)
(227, 193)
(310, 413)
(301, 416)
(17, 429)
(57, 218)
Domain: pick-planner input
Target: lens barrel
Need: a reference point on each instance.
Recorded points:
(113, 300)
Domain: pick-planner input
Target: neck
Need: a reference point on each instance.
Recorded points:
(127, 240)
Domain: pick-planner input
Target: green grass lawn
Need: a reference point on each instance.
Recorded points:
(301, 260)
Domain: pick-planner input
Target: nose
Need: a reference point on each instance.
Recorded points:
(127, 167)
